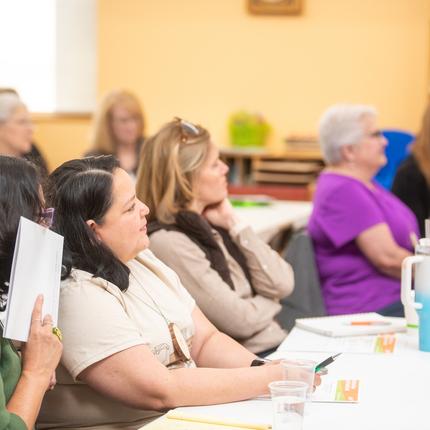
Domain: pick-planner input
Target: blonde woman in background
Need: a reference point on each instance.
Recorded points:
(118, 129)
(235, 278)
(412, 181)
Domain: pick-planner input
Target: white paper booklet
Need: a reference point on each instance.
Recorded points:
(36, 269)
(303, 340)
(352, 325)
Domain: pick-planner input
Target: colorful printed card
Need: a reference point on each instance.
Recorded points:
(334, 390)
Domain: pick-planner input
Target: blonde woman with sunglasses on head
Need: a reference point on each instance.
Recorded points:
(235, 278)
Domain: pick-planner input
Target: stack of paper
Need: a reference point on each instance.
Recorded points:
(36, 269)
(352, 325)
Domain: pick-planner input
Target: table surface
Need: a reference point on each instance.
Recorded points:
(266, 221)
(394, 393)
(286, 152)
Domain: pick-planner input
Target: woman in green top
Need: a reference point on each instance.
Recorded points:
(23, 382)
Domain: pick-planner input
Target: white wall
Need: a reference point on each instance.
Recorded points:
(48, 53)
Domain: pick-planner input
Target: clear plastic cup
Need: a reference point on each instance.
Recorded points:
(288, 404)
(302, 370)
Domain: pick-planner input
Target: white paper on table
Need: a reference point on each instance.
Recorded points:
(337, 390)
(332, 390)
(36, 269)
(303, 340)
(352, 325)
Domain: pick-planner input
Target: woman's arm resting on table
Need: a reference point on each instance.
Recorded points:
(40, 356)
(212, 348)
(134, 377)
(380, 248)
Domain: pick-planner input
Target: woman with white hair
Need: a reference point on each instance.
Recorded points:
(361, 232)
(16, 130)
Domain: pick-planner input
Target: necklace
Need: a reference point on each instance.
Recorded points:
(178, 340)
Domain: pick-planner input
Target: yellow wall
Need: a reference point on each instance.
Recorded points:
(204, 59)
(62, 138)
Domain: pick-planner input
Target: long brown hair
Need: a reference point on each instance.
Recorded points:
(102, 139)
(167, 170)
(421, 147)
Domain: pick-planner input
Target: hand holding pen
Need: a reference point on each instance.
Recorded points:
(326, 362)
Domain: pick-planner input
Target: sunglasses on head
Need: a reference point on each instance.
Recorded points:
(187, 129)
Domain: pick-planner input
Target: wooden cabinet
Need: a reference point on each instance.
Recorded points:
(292, 166)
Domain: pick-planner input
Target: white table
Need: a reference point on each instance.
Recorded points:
(394, 393)
(266, 221)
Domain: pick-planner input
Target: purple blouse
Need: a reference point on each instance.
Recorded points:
(343, 208)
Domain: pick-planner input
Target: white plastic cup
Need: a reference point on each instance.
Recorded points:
(412, 319)
(302, 370)
(288, 404)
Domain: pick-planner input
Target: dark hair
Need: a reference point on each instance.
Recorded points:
(19, 196)
(81, 190)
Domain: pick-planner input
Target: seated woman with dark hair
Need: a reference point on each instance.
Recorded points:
(127, 321)
(235, 278)
(22, 384)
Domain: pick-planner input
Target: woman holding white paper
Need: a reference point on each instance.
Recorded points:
(23, 383)
(119, 306)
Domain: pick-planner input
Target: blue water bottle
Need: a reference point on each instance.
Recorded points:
(421, 262)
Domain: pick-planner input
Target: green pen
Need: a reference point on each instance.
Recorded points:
(326, 362)
(248, 203)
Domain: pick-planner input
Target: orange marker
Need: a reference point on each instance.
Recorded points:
(368, 323)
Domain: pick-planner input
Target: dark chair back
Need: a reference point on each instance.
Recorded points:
(306, 300)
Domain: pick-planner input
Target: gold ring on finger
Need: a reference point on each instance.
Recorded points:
(57, 333)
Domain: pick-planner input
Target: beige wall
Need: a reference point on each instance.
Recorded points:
(204, 59)
(60, 139)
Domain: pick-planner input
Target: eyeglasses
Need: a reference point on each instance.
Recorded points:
(47, 217)
(187, 129)
(376, 135)
(23, 123)
(127, 119)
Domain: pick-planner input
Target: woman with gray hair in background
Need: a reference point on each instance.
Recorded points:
(16, 130)
(361, 232)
